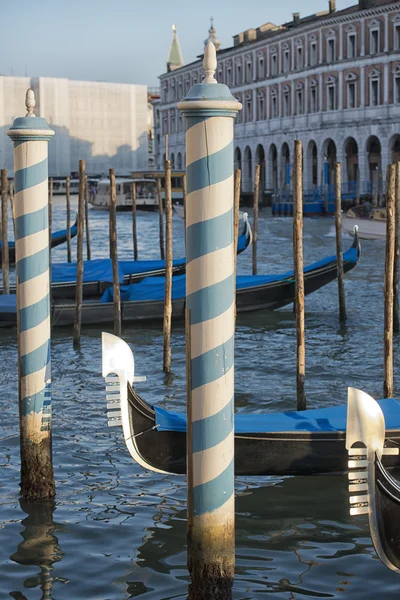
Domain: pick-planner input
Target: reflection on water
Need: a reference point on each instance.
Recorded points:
(39, 546)
(122, 530)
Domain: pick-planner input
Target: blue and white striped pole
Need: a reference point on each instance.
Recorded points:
(31, 135)
(210, 110)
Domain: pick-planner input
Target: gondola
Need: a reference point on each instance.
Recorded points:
(289, 443)
(97, 273)
(253, 292)
(373, 491)
(57, 238)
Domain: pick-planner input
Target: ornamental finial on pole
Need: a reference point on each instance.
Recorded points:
(30, 103)
(210, 63)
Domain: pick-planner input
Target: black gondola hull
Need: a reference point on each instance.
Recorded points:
(287, 453)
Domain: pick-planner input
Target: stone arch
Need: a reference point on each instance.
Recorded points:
(351, 153)
(374, 153)
(247, 170)
(285, 170)
(273, 167)
(330, 154)
(394, 147)
(312, 164)
(260, 160)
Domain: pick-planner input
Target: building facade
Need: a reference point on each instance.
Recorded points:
(106, 124)
(331, 80)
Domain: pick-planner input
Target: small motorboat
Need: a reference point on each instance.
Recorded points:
(373, 491)
(371, 222)
(286, 443)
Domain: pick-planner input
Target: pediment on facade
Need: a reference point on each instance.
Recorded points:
(331, 79)
(375, 24)
(375, 73)
(313, 83)
(351, 77)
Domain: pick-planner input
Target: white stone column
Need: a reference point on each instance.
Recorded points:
(293, 56)
(255, 66)
(306, 107)
(321, 92)
(362, 25)
(386, 84)
(306, 52)
(320, 48)
(340, 103)
(362, 87)
(341, 42)
(386, 26)
(267, 58)
(267, 103)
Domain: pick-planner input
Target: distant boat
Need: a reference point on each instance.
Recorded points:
(146, 194)
(371, 222)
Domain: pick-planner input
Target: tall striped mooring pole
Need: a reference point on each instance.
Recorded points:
(31, 135)
(210, 110)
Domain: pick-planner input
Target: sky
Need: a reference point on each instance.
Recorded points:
(125, 41)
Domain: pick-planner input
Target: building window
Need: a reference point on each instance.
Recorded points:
(249, 108)
(374, 92)
(173, 91)
(220, 74)
(187, 85)
(261, 114)
(314, 55)
(239, 117)
(331, 96)
(397, 89)
(286, 61)
(238, 73)
(300, 102)
(351, 45)
(300, 57)
(396, 36)
(274, 107)
(286, 103)
(351, 94)
(274, 64)
(331, 50)
(261, 67)
(229, 76)
(248, 71)
(314, 100)
(374, 41)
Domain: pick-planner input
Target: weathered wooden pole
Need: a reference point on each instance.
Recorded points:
(160, 218)
(134, 231)
(210, 299)
(299, 273)
(4, 231)
(114, 254)
(88, 253)
(339, 251)
(79, 255)
(388, 283)
(255, 216)
(31, 135)
(396, 319)
(358, 186)
(168, 270)
(68, 200)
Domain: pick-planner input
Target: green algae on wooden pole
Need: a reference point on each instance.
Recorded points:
(299, 273)
(31, 135)
(4, 231)
(210, 110)
(339, 251)
(388, 284)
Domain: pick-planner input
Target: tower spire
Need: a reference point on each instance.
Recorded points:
(175, 59)
(212, 36)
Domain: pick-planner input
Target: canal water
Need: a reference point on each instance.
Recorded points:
(116, 531)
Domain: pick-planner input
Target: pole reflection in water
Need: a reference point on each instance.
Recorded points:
(39, 546)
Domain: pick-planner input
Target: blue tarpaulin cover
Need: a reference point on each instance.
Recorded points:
(319, 419)
(8, 303)
(153, 289)
(54, 236)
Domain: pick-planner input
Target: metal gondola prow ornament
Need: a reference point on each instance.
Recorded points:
(372, 489)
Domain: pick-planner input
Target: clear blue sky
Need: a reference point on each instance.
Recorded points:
(124, 40)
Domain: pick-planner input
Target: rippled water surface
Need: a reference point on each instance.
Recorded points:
(116, 531)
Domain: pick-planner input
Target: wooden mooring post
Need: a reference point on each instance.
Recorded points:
(396, 320)
(339, 251)
(79, 255)
(168, 271)
(68, 201)
(388, 283)
(114, 254)
(255, 216)
(210, 322)
(299, 273)
(4, 231)
(160, 217)
(31, 135)
(88, 252)
(134, 230)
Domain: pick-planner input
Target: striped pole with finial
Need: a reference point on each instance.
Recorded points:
(31, 135)
(210, 110)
